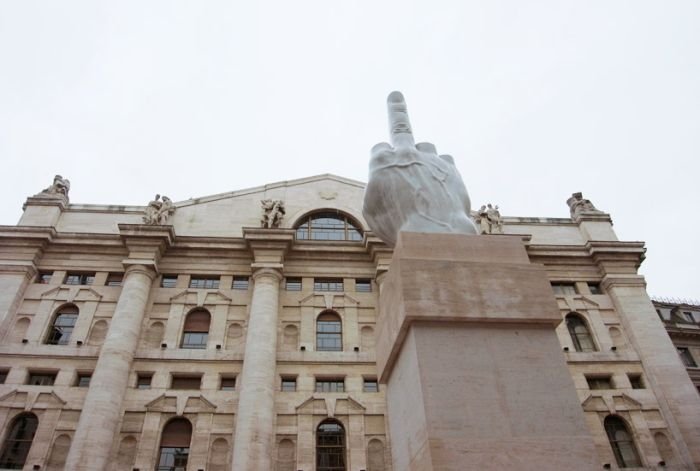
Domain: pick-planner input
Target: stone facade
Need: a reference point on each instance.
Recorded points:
(682, 322)
(260, 380)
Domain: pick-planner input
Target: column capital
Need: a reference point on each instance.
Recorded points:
(623, 281)
(149, 270)
(268, 270)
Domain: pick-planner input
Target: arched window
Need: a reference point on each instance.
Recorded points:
(328, 226)
(330, 446)
(175, 445)
(622, 442)
(62, 326)
(329, 333)
(196, 331)
(580, 335)
(18, 441)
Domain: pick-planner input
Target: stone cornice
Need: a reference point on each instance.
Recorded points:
(60, 201)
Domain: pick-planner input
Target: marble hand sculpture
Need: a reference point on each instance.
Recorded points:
(412, 188)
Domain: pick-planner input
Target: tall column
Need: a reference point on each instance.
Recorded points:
(103, 403)
(99, 422)
(665, 373)
(254, 437)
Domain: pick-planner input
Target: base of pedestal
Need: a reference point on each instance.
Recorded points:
(475, 376)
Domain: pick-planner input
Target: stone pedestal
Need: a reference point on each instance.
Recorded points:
(474, 373)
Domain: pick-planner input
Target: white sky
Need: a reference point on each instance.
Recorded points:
(535, 100)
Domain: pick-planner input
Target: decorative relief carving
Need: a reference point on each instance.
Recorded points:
(58, 189)
(273, 212)
(158, 212)
(578, 205)
(488, 219)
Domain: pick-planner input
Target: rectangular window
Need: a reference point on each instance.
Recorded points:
(44, 277)
(595, 288)
(41, 379)
(79, 278)
(143, 380)
(83, 380)
(204, 282)
(688, 317)
(239, 282)
(370, 385)
(636, 380)
(686, 357)
(564, 289)
(363, 286)
(168, 281)
(328, 284)
(3, 376)
(292, 284)
(186, 382)
(330, 385)
(599, 382)
(289, 384)
(228, 383)
(115, 279)
(194, 340)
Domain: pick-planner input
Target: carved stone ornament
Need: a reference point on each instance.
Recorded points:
(488, 219)
(411, 187)
(578, 205)
(58, 189)
(272, 213)
(158, 212)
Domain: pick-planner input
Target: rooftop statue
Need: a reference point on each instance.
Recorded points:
(59, 188)
(412, 188)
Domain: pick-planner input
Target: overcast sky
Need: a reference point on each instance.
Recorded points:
(535, 100)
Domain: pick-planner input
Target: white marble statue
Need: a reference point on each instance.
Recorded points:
(58, 188)
(412, 188)
(488, 218)
(158, 212)
(273, 212)
(578, 204)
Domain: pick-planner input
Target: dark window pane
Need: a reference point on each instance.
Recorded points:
(599, 382)
(79, 278)
(240, 282)
(370, 385)
(289, 384)
(686, 357)
(168, 281)
(328, 226)
(143, 381)
(204, 283)
(194, 340)
(564, 289)
(186, 382)
(328, 284)
(83, 380)
(228, 384)
(44, 278)
(363, 286)
(330, 447)
(173, 459)
(18, 441)
(636, 381)
(3, 377)
(330, 385)
(41, 379)
(115, 279)
(293, 284)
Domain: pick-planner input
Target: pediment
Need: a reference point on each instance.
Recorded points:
(331, 405)
(29, 400)
(181, 404)
(199, 298)
(610, 402)
(322, 300)
(72, 294)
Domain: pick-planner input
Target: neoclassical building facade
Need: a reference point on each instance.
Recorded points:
(237, 331)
